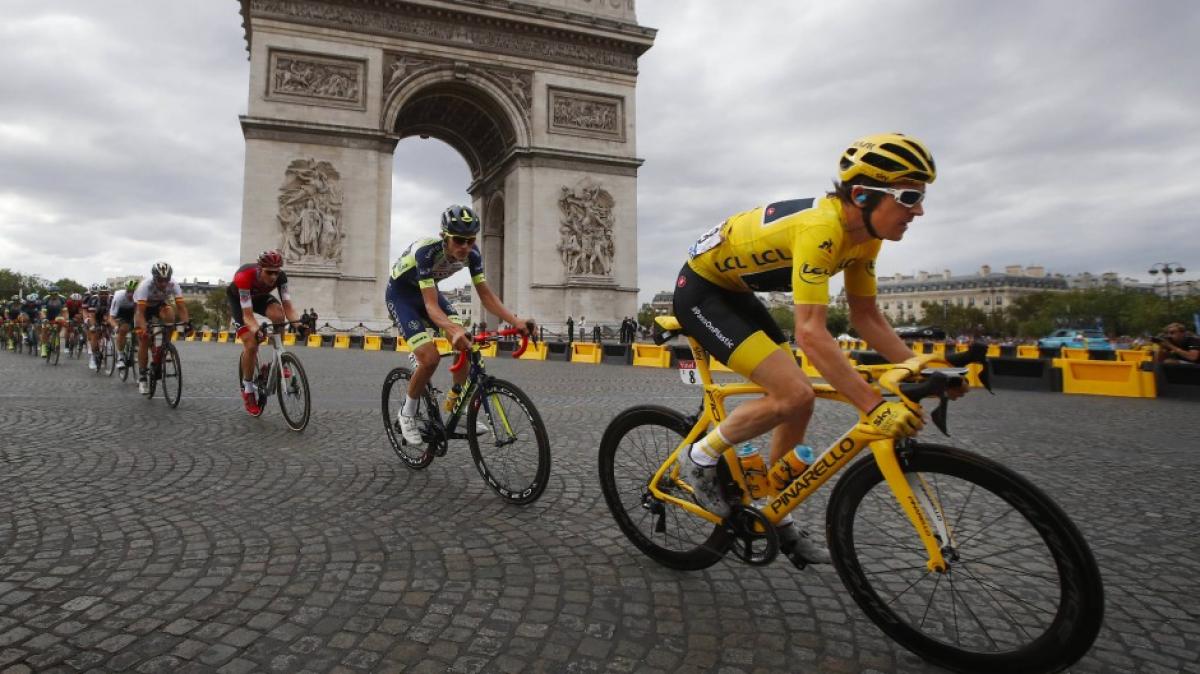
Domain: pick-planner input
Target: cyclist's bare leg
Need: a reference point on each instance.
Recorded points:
(787, 405)
(427, 362)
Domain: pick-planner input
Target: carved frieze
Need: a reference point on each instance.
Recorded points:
(315, 79)
(579, 113)
(516, 84)
(451, 30)
(310, 213)
(586, 227)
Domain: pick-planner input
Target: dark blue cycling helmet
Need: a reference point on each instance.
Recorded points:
(460, 221)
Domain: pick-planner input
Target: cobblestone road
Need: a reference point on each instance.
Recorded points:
(134, 537)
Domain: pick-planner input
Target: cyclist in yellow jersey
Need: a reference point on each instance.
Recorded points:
(799, 245)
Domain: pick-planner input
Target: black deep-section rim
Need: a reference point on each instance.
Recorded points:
(1080, 605)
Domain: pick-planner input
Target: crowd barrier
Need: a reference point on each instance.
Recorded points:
(1105, 378)
(586, 352)
(1122, 373)
(651, 355)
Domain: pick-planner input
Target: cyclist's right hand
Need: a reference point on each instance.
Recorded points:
(459, 340)
(895, 419)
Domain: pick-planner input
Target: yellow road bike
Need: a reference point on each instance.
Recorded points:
(954, 556)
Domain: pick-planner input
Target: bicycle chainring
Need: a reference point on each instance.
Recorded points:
(755, 540)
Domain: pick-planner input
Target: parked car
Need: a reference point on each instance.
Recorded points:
(1076, 338)
(930, 332)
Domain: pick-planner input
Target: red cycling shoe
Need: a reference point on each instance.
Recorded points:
(251, 402)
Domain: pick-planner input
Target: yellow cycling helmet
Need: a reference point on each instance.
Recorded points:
(887, 157)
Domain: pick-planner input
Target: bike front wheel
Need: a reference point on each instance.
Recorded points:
(172, 375)
(1023, 592)
(293, 393)
(108, 351)
(635, 444)
(513, 456)
(395, 387)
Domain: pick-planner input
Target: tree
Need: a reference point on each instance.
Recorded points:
(837, 321)
(67, 286)
(216, 305)
(645, 317)
(197, 312)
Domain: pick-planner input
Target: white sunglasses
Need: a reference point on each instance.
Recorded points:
(908, 198)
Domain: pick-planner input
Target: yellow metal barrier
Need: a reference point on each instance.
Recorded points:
(537, 351)
(190, 338)
(651, 355)
(959, 348)
(372, 343)
(939, 349)
(1106, 378)
(586, 352)
(207, 336)
(489, 349)
(993, 351)
(806, 365)
(1027, 351)
(223, 336)
(402, 344)
(442, 344)
(1134, 355)
(289, 339)
(314, 340)
(1074, 353)
(341, 341)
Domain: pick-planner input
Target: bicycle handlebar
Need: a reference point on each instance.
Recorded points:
(262, 329)
(939, 381)
(482, 337)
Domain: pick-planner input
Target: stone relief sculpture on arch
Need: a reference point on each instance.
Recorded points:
(310, 213)
(586, 228)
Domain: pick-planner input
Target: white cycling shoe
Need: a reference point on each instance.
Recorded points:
(410, 429)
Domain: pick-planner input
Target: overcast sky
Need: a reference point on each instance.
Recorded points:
(1067, 133)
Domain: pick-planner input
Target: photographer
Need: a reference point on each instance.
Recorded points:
(1177, 345)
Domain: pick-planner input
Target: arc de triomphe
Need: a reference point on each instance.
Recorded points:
(536, 95)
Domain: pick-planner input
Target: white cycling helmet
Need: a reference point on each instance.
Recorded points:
(76, 296)
(161, 270)
(32, 297)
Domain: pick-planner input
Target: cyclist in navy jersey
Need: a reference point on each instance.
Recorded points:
(415, 304)
(250, 294)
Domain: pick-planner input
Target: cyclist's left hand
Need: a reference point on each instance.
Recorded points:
(526, 326)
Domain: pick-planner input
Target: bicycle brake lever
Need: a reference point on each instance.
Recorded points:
(939, 414)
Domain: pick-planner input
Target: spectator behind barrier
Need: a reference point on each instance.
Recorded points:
(1177, 345)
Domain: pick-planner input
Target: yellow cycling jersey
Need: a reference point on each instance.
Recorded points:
(798, 244)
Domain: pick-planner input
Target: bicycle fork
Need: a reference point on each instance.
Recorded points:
(919, 503)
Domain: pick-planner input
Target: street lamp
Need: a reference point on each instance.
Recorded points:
(1167, 268)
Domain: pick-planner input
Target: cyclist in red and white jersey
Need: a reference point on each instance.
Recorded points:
(250, 294)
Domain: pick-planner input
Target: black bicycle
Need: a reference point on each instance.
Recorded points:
(164, 362)
(513, 455)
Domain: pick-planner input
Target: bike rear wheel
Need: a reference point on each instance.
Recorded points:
(294, 399)
(172, 375)
(514, 457)
(1023, 592)
(395, 386)
(634, 445)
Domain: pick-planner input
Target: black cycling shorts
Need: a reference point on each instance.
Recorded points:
(258, 304)
(735, 327)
